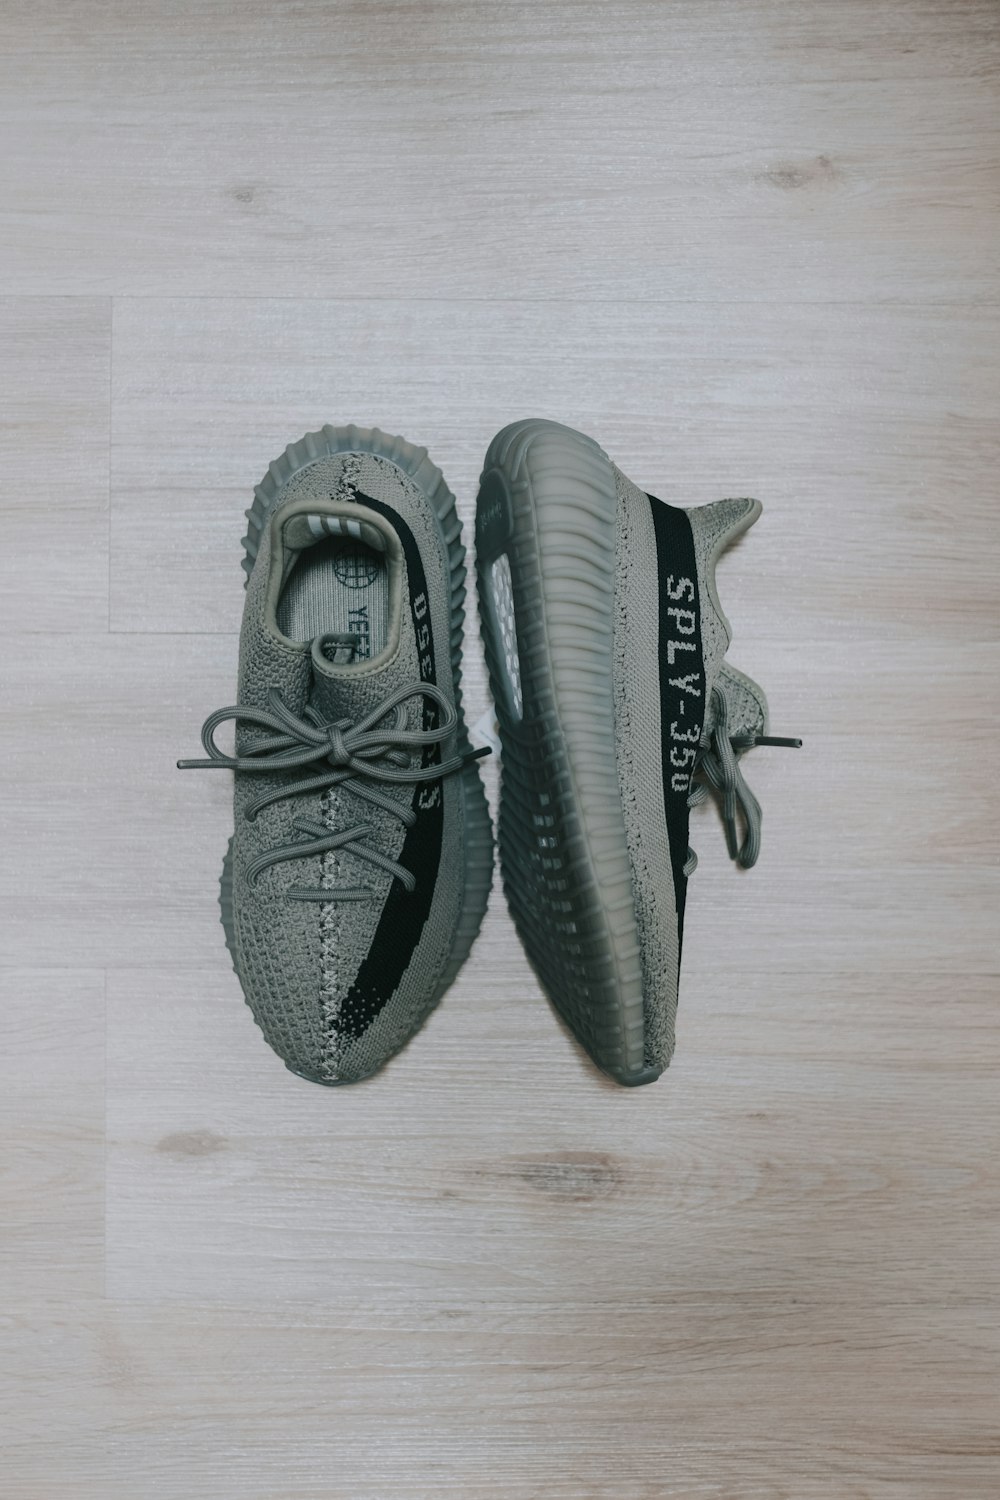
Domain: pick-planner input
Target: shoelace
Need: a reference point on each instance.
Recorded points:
(716, 762)
(357, 754)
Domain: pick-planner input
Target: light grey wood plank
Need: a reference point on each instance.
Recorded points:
(60, 1367)
(97, 820)
(678, 1412)
(465, 1180)
(870, 435)
(650, 150)
(232, 1403)
(54, 443)
(52, 1129)
(560, 1286)
(54, 1355)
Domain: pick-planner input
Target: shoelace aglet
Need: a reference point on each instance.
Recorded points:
(778, 739)
(748, 741)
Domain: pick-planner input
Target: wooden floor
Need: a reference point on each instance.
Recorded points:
(752, 248)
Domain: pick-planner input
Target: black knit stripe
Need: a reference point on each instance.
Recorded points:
(404, 915)
(682, 679)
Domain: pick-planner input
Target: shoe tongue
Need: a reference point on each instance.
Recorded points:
(343, 685)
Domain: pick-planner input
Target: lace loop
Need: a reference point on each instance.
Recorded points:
(718, 766)
(358, 754)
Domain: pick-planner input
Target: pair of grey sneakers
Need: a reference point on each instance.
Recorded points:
(361, 861)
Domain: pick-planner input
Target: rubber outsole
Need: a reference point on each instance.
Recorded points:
(416, 465)
(548, 503)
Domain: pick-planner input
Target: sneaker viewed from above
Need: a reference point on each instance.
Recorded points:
(605, 642)
(361, 859)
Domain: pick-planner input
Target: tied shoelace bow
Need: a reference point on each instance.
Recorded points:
(357, 754)
(717, 764)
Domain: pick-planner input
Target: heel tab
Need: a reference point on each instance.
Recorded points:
(714, 527)
(719, 523)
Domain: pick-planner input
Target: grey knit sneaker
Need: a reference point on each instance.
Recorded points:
(605, 642)
(361, 861)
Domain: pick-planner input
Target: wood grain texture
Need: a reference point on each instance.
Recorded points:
(703, 151)
(54, 455)
(751, 249)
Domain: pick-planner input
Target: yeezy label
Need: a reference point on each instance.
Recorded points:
(403, 916)
(682, 677)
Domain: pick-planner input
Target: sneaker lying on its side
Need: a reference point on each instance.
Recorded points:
(360, 864)
(605, 642)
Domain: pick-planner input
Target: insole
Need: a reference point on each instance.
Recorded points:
(337, 585)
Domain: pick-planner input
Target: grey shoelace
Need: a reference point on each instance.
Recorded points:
(718, 766)
(357, 754)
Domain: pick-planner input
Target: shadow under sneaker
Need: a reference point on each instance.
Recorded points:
(605, 643)
(361, 859)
